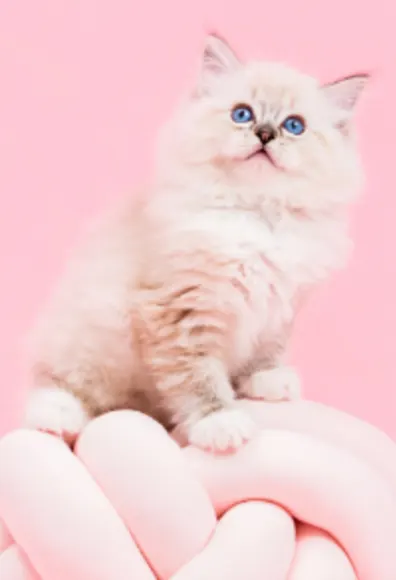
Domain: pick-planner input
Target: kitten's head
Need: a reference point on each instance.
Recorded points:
(266, 127)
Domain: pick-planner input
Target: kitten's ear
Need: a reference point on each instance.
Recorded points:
(345, 93)
(218, 59)
(343, 96)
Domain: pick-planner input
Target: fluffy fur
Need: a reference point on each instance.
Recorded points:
(184, 299)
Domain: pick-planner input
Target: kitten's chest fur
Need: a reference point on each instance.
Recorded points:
(274, 265)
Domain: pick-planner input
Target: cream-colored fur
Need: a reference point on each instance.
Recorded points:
(184, 298)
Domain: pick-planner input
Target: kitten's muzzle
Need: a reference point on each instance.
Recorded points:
(265, 133)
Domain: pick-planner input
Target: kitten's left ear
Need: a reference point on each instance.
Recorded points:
(345, 93)
(218, 59)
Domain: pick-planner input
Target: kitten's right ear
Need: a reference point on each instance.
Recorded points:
(218, 59)
(345, 93)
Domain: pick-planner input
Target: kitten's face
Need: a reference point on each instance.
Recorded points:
(268, 124)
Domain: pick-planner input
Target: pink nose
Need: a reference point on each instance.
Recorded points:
(265, 132)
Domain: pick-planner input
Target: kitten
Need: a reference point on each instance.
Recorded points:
(183, 300)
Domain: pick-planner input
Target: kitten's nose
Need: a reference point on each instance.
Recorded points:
(265, 132)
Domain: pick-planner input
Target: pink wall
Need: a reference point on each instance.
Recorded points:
(83, 86)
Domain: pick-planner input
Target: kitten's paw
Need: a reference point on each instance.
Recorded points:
(222, 431)
(56, 412)
(278, 384)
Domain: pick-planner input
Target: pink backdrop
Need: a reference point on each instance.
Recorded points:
(83, 86)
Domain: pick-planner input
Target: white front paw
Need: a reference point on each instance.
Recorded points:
(278, 384)
(222, 431)
(57, 412)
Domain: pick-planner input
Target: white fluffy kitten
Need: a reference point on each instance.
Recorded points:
(184, 300)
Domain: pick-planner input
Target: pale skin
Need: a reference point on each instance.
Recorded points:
(184, 300)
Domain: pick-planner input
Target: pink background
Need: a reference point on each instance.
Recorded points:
(83, 86)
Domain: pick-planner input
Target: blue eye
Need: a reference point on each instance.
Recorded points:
(242, 114)
(294, 125)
